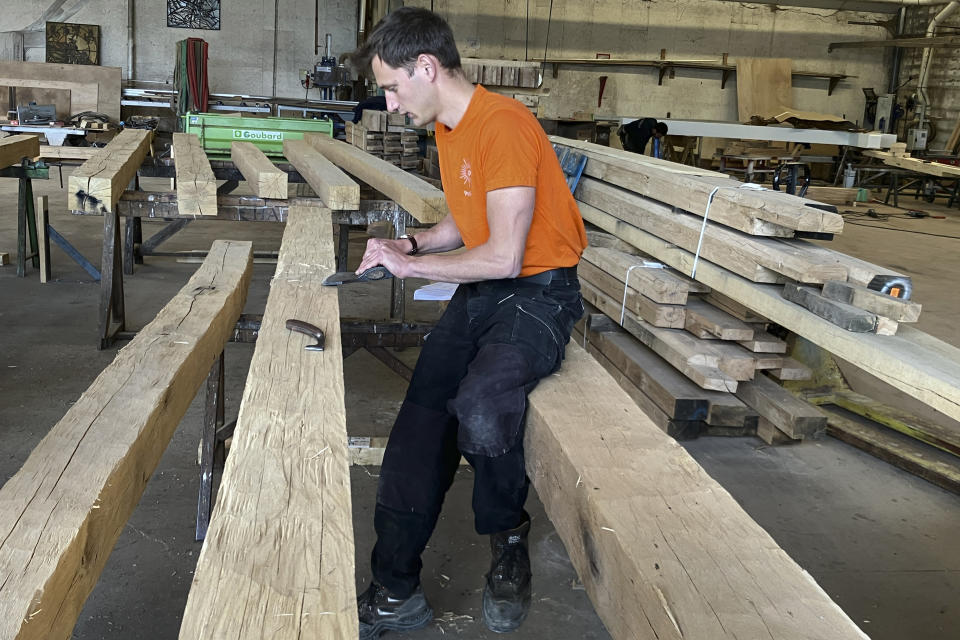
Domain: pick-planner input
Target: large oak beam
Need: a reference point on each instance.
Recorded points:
(61, 514)
(196, 184)
(265, 178)
(99, 182)
(278, 559)
(663, 550)
(331, 185)
(13, 149)
(424, 202)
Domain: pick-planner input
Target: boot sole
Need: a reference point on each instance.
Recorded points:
(379, 628)
(504, 626)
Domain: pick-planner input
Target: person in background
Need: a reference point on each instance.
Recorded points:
(373, 103)
(634, 136)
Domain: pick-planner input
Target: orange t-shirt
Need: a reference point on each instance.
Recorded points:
(498, 144)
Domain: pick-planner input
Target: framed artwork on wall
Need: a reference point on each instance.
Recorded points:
(193, 14)
(73, 43)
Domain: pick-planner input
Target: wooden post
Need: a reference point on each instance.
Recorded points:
(43, 237)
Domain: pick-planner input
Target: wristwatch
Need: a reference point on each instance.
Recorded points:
(413, 243)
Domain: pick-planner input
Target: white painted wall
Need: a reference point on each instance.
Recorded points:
(240, 53)
(687, 29)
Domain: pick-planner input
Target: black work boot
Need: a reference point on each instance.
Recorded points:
(379, 611)
(506, 594)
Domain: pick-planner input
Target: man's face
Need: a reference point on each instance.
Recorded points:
(405, 93)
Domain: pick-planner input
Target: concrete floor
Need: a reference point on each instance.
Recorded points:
(882, 543)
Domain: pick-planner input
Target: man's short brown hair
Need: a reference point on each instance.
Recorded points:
(404, 34)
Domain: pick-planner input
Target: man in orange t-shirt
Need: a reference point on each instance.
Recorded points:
(505, 328)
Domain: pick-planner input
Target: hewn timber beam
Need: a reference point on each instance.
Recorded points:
(61, 514)
(265, 178)
(196, 184)
(13, 149)
(426, 203)
(914, 362)
(332, 185)
(663, 550)
(765, 212)
(278, 559)
(100, 181)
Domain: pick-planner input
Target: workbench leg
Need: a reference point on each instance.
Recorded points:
(128, 241)
(213, 418)
(111, 281)
(43, 246)
(343, 246)
(397, 287)
(137, 241)
(26, 224)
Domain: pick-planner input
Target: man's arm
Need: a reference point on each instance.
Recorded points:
(509, 214)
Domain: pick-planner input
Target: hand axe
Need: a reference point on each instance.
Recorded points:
(347, 277)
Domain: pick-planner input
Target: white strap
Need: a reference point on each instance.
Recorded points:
(749, 186)
(703, 227)
(626, 284)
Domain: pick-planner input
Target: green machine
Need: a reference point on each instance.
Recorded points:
(217, 132)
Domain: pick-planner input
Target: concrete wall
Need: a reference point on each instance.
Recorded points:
(241, 52)
(688, 30)
(944, 82)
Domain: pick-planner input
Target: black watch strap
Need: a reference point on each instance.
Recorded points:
(413, 243)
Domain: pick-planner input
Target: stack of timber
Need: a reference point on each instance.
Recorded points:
(628, 196)
(430, 164)
(502, 73)
(693, 360)
(712, 340)
(62, 513)
(746, 232)
(384, 135)
(671, 400)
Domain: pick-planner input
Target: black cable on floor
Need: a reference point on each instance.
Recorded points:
(922, 233)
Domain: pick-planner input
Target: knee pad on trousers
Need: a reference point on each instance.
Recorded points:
(491, 401)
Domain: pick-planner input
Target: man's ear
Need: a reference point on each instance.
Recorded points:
(429, 64)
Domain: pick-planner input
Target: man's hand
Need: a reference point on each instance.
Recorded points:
(390, 253)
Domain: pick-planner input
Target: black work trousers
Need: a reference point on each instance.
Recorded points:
(468, 396)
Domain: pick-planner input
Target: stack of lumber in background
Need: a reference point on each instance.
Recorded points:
(720, 344)
(383, 135)
(502, 73)
(430, 163)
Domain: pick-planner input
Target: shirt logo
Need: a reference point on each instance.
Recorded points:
(466, 174)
